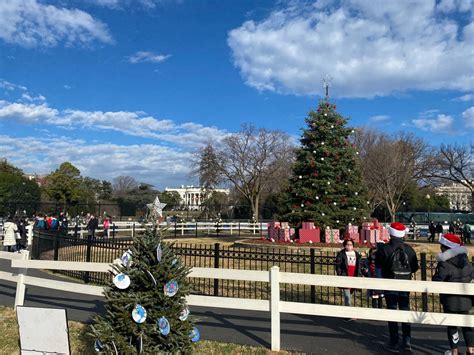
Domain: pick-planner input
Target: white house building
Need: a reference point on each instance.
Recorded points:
(459, 196)
(192, 196)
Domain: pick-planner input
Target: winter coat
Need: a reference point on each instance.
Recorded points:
(454, 266)
(341, 264)
(385, 251)
(10, 233)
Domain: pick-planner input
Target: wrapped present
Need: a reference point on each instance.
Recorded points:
(310, 235)
(286, 235)
(273, 224)
(350, 228)
(369, 236)
(308, 225)
(331, 235)
(367, 225)
(274, 230)
(352, 232)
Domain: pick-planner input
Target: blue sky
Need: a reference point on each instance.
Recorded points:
(135, 86)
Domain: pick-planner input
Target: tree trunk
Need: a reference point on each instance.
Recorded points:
(472, 201)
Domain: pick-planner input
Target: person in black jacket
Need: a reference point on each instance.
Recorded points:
(348, 264)
(454, 266)
(432, 231)
(397, 260)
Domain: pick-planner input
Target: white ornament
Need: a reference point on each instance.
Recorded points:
(332, 126)
(355, 208)
(337, 221)
(368, 202)
(352, 131)
(322, 214)
(317, 197)
(325, 114)
(329, 182)
(357, 153)
(314, 152)
(356, 193)
(349, 170)
(322, 143)
(302, 205)
(345, 183)
(322, 158)
(335, 203)
(353, 219)
(310, 242)
(300, 177)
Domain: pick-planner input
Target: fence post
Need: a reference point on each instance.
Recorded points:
(88, 257)
(182, 228)
(133, 230)
(56, 246)
(424, 296)
(196, 229)
(275, 307)
(175, 228)
(313, 271)
(216, 266)
(20, 286)
(239, 228)
(113, 231)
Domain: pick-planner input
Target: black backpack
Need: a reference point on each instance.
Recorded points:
(399, 264)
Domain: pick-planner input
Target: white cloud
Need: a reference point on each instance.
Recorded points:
(370, 48)
(454, 5)
(30, 98)
(467, 97)
(10, 86)
(379, 118)
(143, 56)
(440, 124)
(150, 163)
(67, 87)
(114, 4)
(136, 124)
(468, 117)
(30, 23)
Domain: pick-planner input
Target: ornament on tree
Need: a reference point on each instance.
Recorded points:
(159, 253)
(322, 143)
(322, 158)
(355, 208)
(329, 182)
(152, 278)
(356, 193)
(164, 326)
(122, 281)
(194, 335)
(170, 288)
(126, 258)
(335, 203)
(317, 197)
(332, 126)
(302, 205)
(139, 314)
(184, 314)
(98, 346)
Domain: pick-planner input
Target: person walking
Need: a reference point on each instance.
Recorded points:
(92, 225)
(439, 230)
(9, 235)
(454, 266)
(348, 264)
(466, 233)
(397, 260)
(106, 225)
(432, 231)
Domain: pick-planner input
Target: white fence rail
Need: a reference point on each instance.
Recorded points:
(181, 228)
(275, 306)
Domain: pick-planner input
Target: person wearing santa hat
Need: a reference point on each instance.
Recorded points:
(454, 266)
(397, 261)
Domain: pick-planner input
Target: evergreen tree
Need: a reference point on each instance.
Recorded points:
(326, 186)
(146, 306)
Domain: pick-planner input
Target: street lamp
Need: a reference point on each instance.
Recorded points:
(428, 205)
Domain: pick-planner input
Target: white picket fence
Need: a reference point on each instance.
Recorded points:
(275, 306)
(181, 228)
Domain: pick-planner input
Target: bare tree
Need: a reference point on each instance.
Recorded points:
(121, 185)
(454, 163)
(253, 160)
(391, 164)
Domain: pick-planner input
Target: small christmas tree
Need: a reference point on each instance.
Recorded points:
(146, 306)
(326, 186)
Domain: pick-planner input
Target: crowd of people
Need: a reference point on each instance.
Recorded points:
(394, 259)
(18, 230)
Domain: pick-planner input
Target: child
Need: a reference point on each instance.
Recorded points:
(372, 271)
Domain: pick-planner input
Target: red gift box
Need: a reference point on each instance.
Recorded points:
(310, 235)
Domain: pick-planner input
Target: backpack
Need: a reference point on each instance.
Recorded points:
(399, 264)
(40, 224)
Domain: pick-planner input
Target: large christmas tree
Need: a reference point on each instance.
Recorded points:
(326, 186)
(146, 306)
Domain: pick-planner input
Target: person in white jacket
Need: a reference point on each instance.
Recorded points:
(9, 239)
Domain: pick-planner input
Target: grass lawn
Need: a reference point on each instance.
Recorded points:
(82, 343)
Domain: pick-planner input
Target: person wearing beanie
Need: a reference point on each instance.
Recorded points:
(397, 260)
(454, 266)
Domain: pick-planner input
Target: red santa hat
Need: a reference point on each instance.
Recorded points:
(397, 229)
(450, 240)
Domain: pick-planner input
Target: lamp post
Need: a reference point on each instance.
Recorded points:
(428, 197)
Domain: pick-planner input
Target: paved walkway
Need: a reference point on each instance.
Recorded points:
(307, 334)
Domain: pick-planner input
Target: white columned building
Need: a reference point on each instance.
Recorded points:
(192, 196)
(459, 196)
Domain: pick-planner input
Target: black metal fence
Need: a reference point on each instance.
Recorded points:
(54, 246)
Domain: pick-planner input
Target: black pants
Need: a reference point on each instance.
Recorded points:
(431, 238)
(401, 301)
(453, 334)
